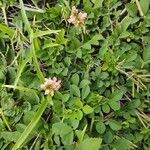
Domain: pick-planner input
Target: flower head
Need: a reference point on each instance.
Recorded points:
(82, 15)
(72, 19)
(77, 18)
(51, 85)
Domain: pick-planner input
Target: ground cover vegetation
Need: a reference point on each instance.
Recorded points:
(74, 74)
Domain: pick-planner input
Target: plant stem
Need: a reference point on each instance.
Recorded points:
(5, 120)
(5, 17)
(139, 8)
(21, 88)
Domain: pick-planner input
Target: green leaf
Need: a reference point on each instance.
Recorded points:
(74, 124)
(7, 102)
(65, 129)
(108, 137)
(78, 103)
(66, 3)
(68, 139)
(65, 97)
(114, 105)
(80, 134)
(79, 53)
(2, 126)
(97, 3)
(75, 114)
(65, 72)
(87, 109)
(132, 9)
(31, 97)
(146, 53)
(84, 83)
(106, 108)
(135, 103)
(11, 136)
(29, 79)
(49, 45)
(100, 127)
(67, 61)
(95, 39)
(116, 95)
(11, 73)
(85, 91)
(60, 39)
(91, 144)
(28, 117)
(7, 30)
(125, 23)
(57, 139)
(75, 79)
(87, 5)
(86, 46)
(104, 48)
(104, 75)
(47, 32)
(75, 90)
(114, 125)
(123, 143)
(145, 5)
(131, 57)
(65, 133)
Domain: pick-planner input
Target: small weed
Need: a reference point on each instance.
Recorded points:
(74, 75)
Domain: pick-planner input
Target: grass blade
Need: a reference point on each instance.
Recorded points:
(35, 61)
(33, 123)
(7, 30)
(47, 32)
(24, 16)
(21, 67)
